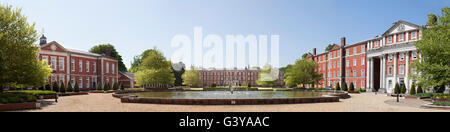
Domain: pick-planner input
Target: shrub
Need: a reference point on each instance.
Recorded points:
(106, 87)
(76, 88)
(441, 103)
(397, 89)
(63, 88)
(121, 87)
(213, 85)
(115, 86)
(412, 91)
(352, 87)
(403, 89)
(41, 88)
(32, 92)
(344, 88)
(69, 87)
(48, 87)
(99, 87)
(338, 87)
(419, 89)
(55, 87)
(16, 98)
(249, 86)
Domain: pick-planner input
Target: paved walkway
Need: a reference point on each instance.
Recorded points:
(366, 102)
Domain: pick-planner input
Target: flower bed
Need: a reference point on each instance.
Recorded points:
(10, 102)
(19, 106)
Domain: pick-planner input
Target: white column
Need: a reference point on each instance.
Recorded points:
(407, 70)
(369, 60)
(407, 37)
(395, 68)
(101, 74)
(394, 40)
(381, 72)
(372, 74)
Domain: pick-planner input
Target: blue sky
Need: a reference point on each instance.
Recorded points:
(136, 25)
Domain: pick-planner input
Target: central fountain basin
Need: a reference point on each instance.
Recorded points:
(228, 98)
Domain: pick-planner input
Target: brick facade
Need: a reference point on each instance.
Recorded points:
(376, 63)
(86, 69)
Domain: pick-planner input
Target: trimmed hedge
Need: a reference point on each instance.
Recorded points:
(352, 87)
(33, 92)
(412, 91)
(16, 98)
(338, 87)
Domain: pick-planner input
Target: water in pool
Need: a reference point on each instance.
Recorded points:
(229, 95)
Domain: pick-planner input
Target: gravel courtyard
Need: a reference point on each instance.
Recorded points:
(367, 102)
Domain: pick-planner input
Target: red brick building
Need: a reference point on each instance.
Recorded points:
(85, 68)
(375, 64)
(127, 79)
(225, 77)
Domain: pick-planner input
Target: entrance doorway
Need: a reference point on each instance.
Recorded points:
(376, 74)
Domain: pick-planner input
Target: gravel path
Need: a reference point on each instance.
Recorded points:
(366, 102)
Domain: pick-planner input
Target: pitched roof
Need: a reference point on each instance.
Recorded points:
(395, 24)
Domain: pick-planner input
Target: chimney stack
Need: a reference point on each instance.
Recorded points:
(314, 51)
(343, 42)
(108, 51)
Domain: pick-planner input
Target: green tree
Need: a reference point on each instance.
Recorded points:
(352, 87)
(76, 88)
(432, 20)
(268, 76)
(338, 87)
(48, 87)
(329, 47)
(403, 89)
(192, 78)
(55, 87)
(397, 89)
(412, 91)
(137, 60)
(434, 47)
(18, 64)
(156, 70)
(103, 48)
(302, 72)
(345, 88)
(106, 87)
(419, 89)
(305, 55)
(121, 86)
(62, 88)
(99, 87)
(69, 87)
(115, 86)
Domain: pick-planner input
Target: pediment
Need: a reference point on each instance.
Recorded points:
(401, 26)
(53, 46)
